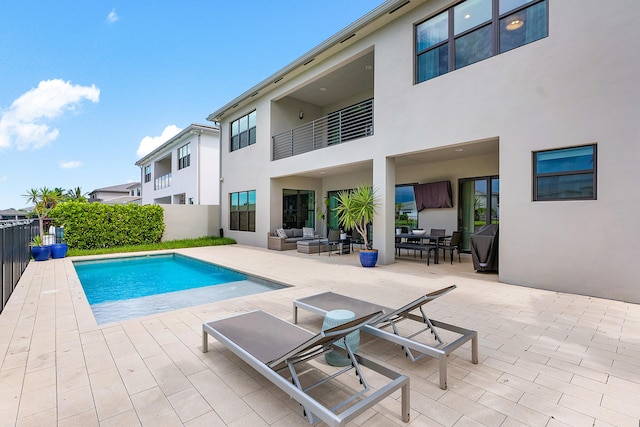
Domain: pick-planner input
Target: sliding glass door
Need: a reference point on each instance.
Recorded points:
(479, 205)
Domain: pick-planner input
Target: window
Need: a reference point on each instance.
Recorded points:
(406, 211)
(184, 156)
(147, 173)
(298, 208)
(242, 214)
(243, 131)
(465, 33)
(565, 174)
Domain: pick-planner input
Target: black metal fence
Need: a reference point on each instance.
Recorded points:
(14, 254)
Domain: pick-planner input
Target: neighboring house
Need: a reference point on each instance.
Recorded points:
(528, 108)
(12, 214)
(116, 194)
(183, 170)
(135, 192)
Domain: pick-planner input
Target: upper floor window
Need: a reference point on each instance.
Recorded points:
(565, 174)
(243, 131)
(184, 156)
(466, 33)
(242, 211)
(147, 173)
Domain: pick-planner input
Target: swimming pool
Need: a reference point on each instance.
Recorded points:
(129, 287)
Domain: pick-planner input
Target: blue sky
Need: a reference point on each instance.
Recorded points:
(86, 87)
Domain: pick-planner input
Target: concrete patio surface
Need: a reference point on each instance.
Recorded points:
(546, 358)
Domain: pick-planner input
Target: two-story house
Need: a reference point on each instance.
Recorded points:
(114, 194)
(183, 170)
(528, 109)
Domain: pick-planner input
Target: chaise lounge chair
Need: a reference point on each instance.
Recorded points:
(325, 302)
(269, 345)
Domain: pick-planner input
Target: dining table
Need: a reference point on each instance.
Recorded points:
(437, 238)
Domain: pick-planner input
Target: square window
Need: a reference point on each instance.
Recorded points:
(565, 174)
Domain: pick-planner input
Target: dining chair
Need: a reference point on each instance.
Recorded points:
(333, 239)
(452, 245)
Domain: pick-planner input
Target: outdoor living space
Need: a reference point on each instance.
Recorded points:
(545, 358)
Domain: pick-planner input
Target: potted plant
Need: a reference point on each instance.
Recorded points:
(59, 250)
(43, 200)
(39, 252)
(355, 210)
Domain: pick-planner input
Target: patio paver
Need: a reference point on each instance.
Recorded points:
(546, 358)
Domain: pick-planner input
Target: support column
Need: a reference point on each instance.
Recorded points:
(384, 182)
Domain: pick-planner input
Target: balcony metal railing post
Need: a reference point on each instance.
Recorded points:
(292, 145)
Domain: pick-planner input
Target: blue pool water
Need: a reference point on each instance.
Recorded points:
(124, 288)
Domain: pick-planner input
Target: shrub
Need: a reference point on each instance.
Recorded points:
(96, 225)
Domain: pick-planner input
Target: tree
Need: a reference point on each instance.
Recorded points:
(43, 199)
(356, 209)
(76, 195)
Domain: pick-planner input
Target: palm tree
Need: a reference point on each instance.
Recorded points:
(356, 209)
(76, 195)
(43, 199)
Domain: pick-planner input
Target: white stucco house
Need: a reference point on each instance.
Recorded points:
(527, 108)
(116, 194)
(183, 170)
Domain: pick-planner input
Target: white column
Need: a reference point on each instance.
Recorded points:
(384, 183)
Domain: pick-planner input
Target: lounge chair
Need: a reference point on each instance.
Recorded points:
(322, 303)
(269, 345)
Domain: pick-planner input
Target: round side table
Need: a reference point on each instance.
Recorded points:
(334, 318)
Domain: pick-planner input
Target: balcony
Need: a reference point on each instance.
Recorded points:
(341, 126)
(161, 182)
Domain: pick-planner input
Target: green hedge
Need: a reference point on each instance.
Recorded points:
(96, 225)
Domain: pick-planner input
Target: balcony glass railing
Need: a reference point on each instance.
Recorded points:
(162, 182)
(345, 125)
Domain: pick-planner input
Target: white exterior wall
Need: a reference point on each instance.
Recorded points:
(199, 181)
(577, 86)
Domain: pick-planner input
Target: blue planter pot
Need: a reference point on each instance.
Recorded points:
(368, 258)
(40, 253)
(59, 250)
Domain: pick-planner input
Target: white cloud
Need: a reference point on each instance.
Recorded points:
(73, 164)
(25, 123)
(112, 16)
(150, 143)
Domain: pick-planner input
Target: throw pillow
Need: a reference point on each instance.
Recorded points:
(307, 232)
(297, 232)
(280, 232)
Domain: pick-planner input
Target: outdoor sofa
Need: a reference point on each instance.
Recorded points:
(287, 239)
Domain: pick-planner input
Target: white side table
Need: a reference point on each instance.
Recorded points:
(335, 318)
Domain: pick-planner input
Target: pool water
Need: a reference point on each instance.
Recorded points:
(124, 288)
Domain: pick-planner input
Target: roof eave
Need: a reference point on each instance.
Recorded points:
(389, 6)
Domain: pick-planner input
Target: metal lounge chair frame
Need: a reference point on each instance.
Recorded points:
(271, 345)
(322, 303)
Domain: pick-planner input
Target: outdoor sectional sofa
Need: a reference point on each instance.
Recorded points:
(293, 236)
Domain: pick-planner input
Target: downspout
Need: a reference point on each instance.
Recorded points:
(198, 169)
(141, 184)
(221, 178)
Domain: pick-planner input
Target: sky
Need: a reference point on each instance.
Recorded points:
(89, 87)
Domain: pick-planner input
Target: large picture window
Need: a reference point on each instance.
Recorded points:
(242, 212)
(298, 208)
(243, 131)
(465, 33)
(406, 210)
(565, 174)
(184, 156)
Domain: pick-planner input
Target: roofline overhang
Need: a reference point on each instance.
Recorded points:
(194, 127)
(388, 7)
